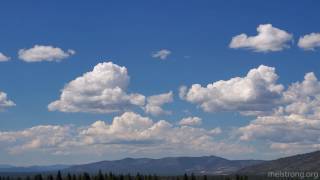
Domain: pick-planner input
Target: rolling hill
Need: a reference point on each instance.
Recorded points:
(309, 162)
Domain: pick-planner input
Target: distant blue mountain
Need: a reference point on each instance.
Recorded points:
(31, 169)
(5, 166)
(166, 166)
(180, 165)
(163, 166)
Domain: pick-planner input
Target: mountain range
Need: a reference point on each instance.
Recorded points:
(167, 166)
(30, 169)
(309, 162)
(180, 165)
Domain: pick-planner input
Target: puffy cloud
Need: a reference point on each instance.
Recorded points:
(40, 53)
(161, 137)
(277, 128)
(282, 132)
(43, 137)
(309, 41)
(190, 121)
(155, 103)
(4, 58)
(269, 38)
(102, 90)
(303, 98)
(256, 93)
(294, 126)
(127, 128)
(125, 132)
(161, 54)
(5, 102)
(288, 120)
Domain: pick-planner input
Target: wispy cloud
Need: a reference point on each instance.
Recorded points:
(162, 54)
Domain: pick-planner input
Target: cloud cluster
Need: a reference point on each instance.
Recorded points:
(294, 126)
(102, 90)
(161, 54)
(155, 103)
(286, 118)
(5, 102)
(40, 53)
(4, 58)
(256, 93)
(309, 41)
(40, 137)
(269, 38)
(126, 131)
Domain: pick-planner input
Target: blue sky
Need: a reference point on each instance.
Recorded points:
(196, 33)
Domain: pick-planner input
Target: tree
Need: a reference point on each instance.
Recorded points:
(138, 177)
(205, 177)
(100, 175)
(38, 177)
(185, 177)
(86, 176)
(129, 177)
(155, 177)
(50, 177)
(121, 177)
(59, 177)
(193, 177)
(69, 176)
(111, 176)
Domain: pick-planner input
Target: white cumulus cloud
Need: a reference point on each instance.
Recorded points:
(269, 38)
(161, 54)
(155, 103)
(130, 134)
(40, 53)
(309, 41)
(294, 126)
(102, 90)
(4, 58)
(42, 137)
(285, 119)
(256, 93)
